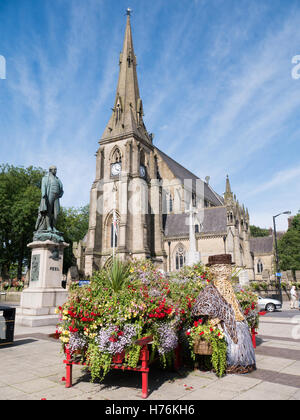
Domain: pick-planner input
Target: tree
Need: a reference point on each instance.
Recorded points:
(19, 202)
(258, 232)
(73, 223)
(289, 247)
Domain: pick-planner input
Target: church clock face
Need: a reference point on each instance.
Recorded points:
(142, 171)
(116, 169)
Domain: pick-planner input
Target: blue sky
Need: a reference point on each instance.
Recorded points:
(215, 78)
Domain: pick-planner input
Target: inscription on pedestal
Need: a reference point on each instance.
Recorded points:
(54, 269)
(35, 267)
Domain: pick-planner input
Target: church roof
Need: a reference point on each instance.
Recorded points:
(261, 245)
(214, 222)
(182, 174)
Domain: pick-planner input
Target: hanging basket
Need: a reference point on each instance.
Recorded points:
(202, 347)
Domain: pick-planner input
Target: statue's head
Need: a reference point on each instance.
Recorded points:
(53, 169)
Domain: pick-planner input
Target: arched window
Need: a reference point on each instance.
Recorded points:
(179, 257)
(112, 231)
(260, 267)
(114, 234)
(116, 156)
(170, 203)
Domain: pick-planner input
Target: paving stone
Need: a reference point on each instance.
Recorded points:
(268, 391)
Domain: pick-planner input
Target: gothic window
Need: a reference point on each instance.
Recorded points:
(179, 257)
(230, 217)
(116, 157)
(112, 231)
(114, 235)
(142, 158)
(196, 228)
(170, 204)
(260, 267)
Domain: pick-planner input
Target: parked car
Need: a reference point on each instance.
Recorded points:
(268, 304)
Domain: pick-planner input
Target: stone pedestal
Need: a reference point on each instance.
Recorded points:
(193, 257)
(45, 293)
(244, 278)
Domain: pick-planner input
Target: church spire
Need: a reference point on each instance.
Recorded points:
(228, 196)
(127, 115)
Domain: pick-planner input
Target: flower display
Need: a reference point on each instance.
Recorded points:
(122, 304)
(248, 302)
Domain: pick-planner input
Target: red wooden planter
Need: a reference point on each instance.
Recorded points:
(118, 358)
(117, 364)
(253, 332)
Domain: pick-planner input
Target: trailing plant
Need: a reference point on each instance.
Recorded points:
(215, 337)
(132, 356)
(99, 363)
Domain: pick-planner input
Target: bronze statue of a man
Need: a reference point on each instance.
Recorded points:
(52, 191)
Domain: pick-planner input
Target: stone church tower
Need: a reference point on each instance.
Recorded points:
(126, 170)
(141, 197)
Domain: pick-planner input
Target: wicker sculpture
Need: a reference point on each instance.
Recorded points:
(219, 303)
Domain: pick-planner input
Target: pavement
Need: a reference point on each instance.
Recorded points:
(32, 369)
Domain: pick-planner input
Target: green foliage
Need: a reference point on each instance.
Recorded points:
(216, 338)
(19, 202)
(256, 231)
(98, 363)
(118, 275)
(132, 355)
(289, 247)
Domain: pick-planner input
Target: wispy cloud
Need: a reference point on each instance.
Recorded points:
(281, 178)
(215, 79)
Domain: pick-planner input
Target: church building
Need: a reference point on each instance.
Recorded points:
(143, 204)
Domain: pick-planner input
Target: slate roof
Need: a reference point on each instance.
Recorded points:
(214, 222)
(262, 245)
(182, 173)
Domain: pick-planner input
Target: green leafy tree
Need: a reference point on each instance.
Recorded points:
(289, 247)
(73, 223)
(19, 202)
(258, 232)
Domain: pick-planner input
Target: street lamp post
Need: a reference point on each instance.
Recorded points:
(278, 275)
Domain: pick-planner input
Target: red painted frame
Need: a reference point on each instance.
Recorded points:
(143, 368)
(253, 332)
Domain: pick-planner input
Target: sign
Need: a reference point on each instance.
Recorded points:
(83, 283)
(278, 275)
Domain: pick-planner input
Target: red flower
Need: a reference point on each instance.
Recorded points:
(120, 333)
(195, 324)
(188, 333)
(201, 333)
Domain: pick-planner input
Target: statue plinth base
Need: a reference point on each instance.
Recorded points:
(193, 257)
(45, 293)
